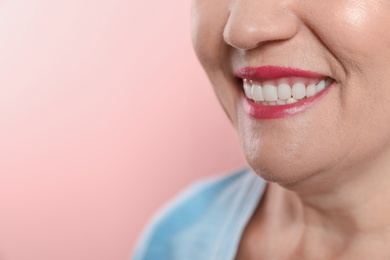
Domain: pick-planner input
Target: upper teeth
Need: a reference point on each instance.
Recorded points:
(283, 93)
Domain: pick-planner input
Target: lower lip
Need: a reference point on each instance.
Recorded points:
(259, 111)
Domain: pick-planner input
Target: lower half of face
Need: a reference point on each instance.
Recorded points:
(338, 132)
(343, 130)
(321, 139)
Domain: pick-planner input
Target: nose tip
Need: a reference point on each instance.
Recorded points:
(254, 22)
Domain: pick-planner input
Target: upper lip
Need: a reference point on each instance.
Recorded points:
(275, 72)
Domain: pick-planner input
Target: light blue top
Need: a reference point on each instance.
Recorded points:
(205, 221)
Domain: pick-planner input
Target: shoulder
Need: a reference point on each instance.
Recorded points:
(193, 217)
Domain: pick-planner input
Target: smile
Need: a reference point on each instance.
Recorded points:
(282, 93)
(277, 92)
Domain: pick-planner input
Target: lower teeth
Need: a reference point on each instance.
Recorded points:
(278, 102)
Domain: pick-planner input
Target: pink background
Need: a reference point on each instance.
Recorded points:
(105, 114)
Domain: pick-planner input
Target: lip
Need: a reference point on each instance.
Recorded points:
(274, 72)
(259, 111)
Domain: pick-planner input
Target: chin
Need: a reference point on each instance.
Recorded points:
(278, 171)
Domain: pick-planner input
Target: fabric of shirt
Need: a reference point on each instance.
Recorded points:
(206, 221)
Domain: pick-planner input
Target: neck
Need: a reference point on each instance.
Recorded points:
(338, 207)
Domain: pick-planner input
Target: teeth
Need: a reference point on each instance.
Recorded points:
(291, 100)
(284, 91)
(257, 93)
(247, 89)
(320, 86)
(270, 93)
(274, 94)
(328, 81)
(299, 90)
(311, 90)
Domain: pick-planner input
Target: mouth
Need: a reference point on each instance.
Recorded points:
(274, 92)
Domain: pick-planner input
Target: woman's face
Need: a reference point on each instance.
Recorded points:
(346, 42)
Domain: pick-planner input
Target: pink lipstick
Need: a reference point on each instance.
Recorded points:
(274, 72)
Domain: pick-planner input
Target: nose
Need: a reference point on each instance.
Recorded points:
(254, 22)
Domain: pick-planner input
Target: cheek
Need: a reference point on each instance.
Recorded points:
(208, 19)
(347, 27)
(365, 92)
(208, 23)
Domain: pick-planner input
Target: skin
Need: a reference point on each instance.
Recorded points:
(328, 168)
